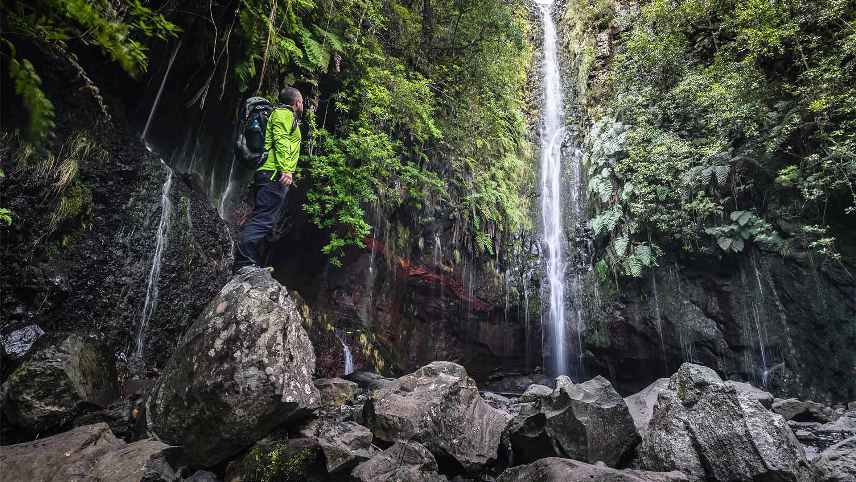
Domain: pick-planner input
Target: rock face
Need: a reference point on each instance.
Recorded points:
(404, 461)
(555, 469)
(708, 430)
(439, 406)
(55, 383)
(707, 310)
(838, 463)
(588, 421)
(244, 367)
(91, 452)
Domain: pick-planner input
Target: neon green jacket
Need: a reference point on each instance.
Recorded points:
(282, 141)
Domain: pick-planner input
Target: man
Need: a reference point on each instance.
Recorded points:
(273, 178)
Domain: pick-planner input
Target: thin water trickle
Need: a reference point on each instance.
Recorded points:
(160, 91)
(349, 358)
(152, 292)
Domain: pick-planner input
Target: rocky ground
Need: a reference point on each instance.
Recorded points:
(237, 402)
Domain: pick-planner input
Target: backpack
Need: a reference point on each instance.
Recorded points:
(250, 145)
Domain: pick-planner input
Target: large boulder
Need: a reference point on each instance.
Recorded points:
(587, 421)
(641, 405)
(344, 444)
(404, 461)
(803, 411)
(439, 406)
(243, 368)
(336, 392)
(838, 463)
(709, 430)
(61, 378)
(555, 469)
(90, 453)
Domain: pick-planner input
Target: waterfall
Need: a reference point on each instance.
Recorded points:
(552, 135)
(349, 358)
(154, 273)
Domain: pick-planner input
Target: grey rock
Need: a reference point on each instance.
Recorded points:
(536, 392)
(641, 405)
(763, 397)
(243, 368)
(851, 406)
(56, 381)
(202, 476)
(91, 454)
(708, 430)
(439, 406)
(17, 340)
(590, 422)
(370, 380)
(336, 392)
(846, 424)
(691, 380)
(566, 470)
(344, 444)
(838, 463)
(802, 411)
(402, 462)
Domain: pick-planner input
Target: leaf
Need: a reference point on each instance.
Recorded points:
(725, 243)
(722, 175)
(620, 245)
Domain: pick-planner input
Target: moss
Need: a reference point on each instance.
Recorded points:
(278, 463)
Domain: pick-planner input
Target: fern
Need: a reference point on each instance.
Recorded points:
(607, 221)
(5, 216)
(316, 54)
(28, 85)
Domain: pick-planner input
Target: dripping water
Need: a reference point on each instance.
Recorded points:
(160, 91)
(154, 273)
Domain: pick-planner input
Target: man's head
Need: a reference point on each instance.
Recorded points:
(292, 97)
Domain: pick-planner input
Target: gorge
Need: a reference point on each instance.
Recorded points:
(528, 240)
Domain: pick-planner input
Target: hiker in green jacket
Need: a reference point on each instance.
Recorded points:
(273, 178)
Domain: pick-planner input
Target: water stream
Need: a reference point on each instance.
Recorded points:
(161, 238)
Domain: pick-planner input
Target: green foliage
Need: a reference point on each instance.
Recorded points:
(5, 216)
(723, 121)
(277, 463)
(410, 114)
(117, 29)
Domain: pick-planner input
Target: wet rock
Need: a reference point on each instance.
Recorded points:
(641, 405)
(497, 401)
(535, 392)
(336, 392)
(708, 430)
(344, 444)
(17, 339)
(566, 470)
(58, 381)
(763, 397)
(403, 461)
(123, 418)
(838, 463)
(513, 383)
(91, 451)
(439, 406)
(202, 476)
(370, 380)
(244, 367)
(802, 411)
(588, 421)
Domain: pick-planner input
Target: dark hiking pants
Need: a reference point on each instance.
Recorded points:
(268, 207)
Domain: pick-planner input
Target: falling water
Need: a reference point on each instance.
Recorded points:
(154, 273)
(551, 206)
(160, 91)
(349, 358)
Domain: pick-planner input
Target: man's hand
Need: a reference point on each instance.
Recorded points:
(286, 179)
